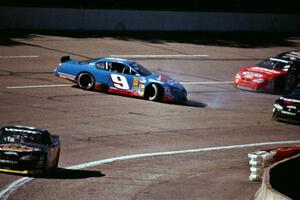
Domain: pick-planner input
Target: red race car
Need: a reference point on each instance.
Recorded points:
(276, 74)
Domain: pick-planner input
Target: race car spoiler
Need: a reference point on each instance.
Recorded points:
(64, 59)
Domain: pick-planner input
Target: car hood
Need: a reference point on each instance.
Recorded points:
(163, 79)
(256, 71)
(21, 147)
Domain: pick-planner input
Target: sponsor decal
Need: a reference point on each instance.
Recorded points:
(135, 84)
(119, 81)
(21, 130)
(252, 74)
(17, 148)
(8, 161)
(142, 80)
(265, 70)
(288, 113)
(141, 89)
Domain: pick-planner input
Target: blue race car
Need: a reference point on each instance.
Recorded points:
(120, 76)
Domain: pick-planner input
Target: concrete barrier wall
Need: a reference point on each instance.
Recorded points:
(130, 20)
(281, 177)
(266, 191)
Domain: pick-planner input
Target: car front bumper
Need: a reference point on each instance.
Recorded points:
(253, 86)
(283, 115)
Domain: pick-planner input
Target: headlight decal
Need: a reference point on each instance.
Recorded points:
(252, 74)
(277, 106)
(238, 76)
(259, 80)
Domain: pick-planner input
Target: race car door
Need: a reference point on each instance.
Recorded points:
(102, 75)
(121, 79)
(117, 77)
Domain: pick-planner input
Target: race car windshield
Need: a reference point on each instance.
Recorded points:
(140, 69)
(272, 64)
(7, 137)
(296, 93)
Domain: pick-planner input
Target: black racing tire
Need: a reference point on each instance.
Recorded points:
(56, 161)
(104, 88)
(154, 92)
(86, 81)
(46, 168)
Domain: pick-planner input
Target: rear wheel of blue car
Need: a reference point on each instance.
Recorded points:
(154, 92)
(86, 81)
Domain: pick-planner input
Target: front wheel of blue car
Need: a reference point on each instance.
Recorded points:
(85, 81)
(154, 92)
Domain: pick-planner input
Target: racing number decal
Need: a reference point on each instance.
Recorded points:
(119, 81)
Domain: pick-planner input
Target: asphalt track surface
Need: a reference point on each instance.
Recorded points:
(95, 126)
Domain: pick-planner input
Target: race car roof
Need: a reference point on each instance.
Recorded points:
(292, 56)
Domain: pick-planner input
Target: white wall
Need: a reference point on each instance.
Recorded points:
(110, 20)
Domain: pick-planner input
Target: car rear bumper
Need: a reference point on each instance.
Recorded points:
(13, 165)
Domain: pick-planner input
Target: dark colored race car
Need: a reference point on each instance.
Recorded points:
(275, 75)
(28, 150)
(121, 76)
(287, 107)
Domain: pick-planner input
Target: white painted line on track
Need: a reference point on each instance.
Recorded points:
(38, 86)
(6, 191)
(161, 56)
(206, 82)
(30, 56)
(4, 194)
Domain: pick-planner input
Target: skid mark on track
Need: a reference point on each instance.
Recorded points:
(69, 85)
(206, 82)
